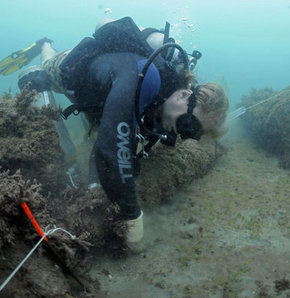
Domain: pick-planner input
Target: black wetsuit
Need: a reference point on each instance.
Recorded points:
(111, 82)
(103, 72)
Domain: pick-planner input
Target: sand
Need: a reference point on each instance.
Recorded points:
(224, 235)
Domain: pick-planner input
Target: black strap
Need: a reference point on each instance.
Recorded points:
(191, 104)
(166, 33)
(72, 109)
(169, 52)
(192, 100)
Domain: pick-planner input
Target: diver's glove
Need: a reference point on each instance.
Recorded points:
(135, 229)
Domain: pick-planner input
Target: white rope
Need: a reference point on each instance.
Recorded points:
(31, 252)
(236, 113)
(240, 111)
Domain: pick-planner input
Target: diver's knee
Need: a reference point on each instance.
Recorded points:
(47, 52)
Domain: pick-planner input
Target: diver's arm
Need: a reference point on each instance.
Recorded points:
(116, 140)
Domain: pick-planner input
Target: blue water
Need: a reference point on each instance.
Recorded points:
(245, 44)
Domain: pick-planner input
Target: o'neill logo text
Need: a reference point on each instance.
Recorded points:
(123, 153)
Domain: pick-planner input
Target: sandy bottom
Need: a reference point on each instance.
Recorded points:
(226, 235)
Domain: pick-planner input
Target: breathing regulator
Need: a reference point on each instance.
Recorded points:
(187, 125)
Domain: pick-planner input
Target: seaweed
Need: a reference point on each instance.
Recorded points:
(28, 140)
(268, 123)
(13, 223)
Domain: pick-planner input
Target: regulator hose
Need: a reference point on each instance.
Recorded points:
(141, 79)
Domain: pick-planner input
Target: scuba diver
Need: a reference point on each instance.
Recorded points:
(137, 93)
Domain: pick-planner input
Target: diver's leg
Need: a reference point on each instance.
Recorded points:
(47, 52)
